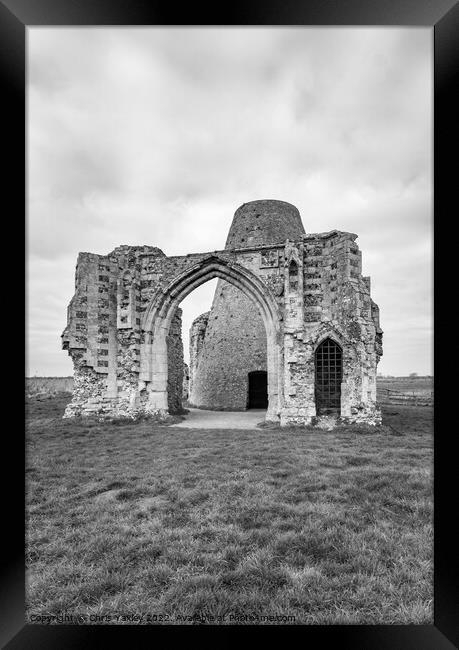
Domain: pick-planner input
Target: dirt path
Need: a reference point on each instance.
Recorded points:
(200, 419)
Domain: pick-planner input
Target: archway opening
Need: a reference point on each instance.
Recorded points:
(328, 378)
(195, 308)
(157, 320)
(226, 343)
(257, 397)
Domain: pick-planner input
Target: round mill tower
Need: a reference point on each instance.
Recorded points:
(228, 344)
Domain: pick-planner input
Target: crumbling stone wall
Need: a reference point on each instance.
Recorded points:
(176, 366)
(103, 334)
(123, 336)
(333, 301)
(197, 335)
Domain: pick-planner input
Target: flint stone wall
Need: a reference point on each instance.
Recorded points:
(103, 335)
(197, 335)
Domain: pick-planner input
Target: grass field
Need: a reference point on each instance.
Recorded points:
(48, 385)
(326, 527)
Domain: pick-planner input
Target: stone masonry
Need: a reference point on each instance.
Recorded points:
(124, 323)
(197, 335)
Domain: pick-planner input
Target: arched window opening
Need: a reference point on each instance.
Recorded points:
(293, 275)
(328, 377)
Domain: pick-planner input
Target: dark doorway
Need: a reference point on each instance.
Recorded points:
(329, 373)
(258, 390)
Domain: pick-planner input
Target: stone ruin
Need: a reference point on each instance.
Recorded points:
(292, 327)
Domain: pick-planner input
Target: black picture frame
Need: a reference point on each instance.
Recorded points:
(443, 17)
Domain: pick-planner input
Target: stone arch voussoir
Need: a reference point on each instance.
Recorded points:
(326, 331)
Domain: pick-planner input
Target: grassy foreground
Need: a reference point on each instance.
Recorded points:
(146, 523)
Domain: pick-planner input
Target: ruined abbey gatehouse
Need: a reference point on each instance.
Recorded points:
(292, 327)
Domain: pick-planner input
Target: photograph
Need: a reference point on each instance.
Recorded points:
(229, 288)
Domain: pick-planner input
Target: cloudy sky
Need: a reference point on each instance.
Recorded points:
(156, 135)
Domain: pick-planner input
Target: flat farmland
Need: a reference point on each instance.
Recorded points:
(409, 389)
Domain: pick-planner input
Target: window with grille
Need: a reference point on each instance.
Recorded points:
(328, 377)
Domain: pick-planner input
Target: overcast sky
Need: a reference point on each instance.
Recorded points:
(157, 135)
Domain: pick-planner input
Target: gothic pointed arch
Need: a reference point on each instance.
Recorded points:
(161, 309)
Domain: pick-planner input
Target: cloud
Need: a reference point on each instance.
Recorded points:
(157, 135)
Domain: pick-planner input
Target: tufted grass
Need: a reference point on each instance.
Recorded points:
(229, 526)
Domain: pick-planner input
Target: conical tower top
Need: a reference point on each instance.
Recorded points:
(263, 222)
